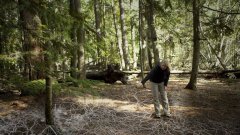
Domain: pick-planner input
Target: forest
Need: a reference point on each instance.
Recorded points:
(75, 66)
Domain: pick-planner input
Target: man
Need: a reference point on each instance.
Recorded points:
(159, 77)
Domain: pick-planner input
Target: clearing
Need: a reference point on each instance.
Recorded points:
(126, 110)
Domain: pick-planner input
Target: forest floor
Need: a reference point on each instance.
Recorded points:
(127, 109)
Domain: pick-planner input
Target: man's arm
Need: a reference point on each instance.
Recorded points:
(167, 78)
(147, 78)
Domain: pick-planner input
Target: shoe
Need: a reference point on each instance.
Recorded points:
(155, 116)
(167, 115)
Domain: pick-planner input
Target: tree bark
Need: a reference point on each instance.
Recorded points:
(152, 36)
(98, 28)
(118, 39)
(196, 46)
(140, 37)
(1, 53)
(145, 48)
(133, 44)
(32, 48)
(75, 8)
(81, 58)
(48, 78)
(78, 37)
(124, 36)
(74, 59)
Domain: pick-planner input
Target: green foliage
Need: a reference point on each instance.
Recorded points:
(218, 26)
(16, 80)
(37, 87)
(168, 4)
(77, 87)
(72, 81)
(11, 82)
(7, 59)
(86, 83)
(33, 87)
(172, 18)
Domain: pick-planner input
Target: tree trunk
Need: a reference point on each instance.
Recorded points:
(145, 49)
(32, 48)
(119, 46)
(48, 101)
(165, 51)
(78, 37)
(75, 8)
(149, 56)
(103, 20)
(134, 50)
(196, 46)
(152, 37)
(98, 27)
(134, 57)
(74, 59)
(140, 38)
(64, 67)
(124, 36)
(1, 53)
(81, 58)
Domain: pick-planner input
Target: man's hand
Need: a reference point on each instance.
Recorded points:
(143, 84)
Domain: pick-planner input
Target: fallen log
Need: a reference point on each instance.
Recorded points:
(172, 72)
(211, 74)
(187, 72)
(108, 76)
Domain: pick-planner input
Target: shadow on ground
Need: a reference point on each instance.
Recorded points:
(126, 110)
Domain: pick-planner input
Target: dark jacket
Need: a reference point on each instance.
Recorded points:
(157, 75)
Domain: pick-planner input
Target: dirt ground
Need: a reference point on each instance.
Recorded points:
(126, 110)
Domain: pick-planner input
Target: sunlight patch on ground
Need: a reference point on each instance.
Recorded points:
(127, 110)
(9, 107)
(191, 111)
(117, 105)
(207, 81)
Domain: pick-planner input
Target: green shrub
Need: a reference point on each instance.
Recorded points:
(72, 81)
(37, 87)
(77, 87)
(16, 80)
(33, 87)
(87, 83)
(11, 82)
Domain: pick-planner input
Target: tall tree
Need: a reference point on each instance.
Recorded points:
(146, 53)
(78, 37)
(124, 36)
(151, 32)
(74, 10)
(81, 58)
(196, 45)
(48, 78)
(118, 39)
(98, 27)
(74, 59)
(3, 39)
(140, 37)
(133, 41)
(31, 26)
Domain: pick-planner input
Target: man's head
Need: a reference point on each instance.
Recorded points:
(164, 65)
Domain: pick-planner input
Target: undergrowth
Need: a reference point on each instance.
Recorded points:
(37, 87)
(75, 87)
(69, 86)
